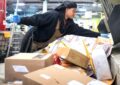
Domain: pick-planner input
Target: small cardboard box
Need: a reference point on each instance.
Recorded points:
(57, 75)
(18, 65)
(73, 56)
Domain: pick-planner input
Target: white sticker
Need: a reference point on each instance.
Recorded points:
(63, 57)
(45, 76)
(59, 67)
(18, 82)
(96, 82)
(74, 82)
(19, 68)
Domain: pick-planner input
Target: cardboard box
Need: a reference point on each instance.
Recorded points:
(83, 71)
(18, 65)
(57, 75)
(73, 56)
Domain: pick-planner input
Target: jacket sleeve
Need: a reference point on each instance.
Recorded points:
(38, 19)
(76, 30)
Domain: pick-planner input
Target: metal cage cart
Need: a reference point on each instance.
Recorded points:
(15, 40)
(10, 43)
(4, 41)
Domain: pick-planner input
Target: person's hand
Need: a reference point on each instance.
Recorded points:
(104, 35)
(16, 18)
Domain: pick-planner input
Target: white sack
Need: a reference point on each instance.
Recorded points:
(101, 63)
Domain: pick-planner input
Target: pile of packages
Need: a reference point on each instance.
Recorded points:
(71, 60)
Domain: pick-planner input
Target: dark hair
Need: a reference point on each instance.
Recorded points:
(66, 4)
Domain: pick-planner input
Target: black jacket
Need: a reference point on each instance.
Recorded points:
(46, 23)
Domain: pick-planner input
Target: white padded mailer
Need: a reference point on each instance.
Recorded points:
(101, 63)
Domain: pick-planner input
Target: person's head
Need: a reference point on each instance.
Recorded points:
(69, 9)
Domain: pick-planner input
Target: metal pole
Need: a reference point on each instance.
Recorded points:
(10, 40)
(44, 6)
(16, 9)
(12, 29)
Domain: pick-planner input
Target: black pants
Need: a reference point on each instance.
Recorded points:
(27, 42)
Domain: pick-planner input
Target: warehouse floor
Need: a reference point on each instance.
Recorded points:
(2, 72)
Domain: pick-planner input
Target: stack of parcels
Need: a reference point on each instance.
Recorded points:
(80, 51)
(86, 52)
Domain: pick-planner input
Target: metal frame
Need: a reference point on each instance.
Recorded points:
(107, 7)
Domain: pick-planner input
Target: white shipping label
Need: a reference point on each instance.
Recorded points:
(96, 82)
(45, 76)
(59, 67)
(19, 68)
(74, 82)
(63, 57)
(18, 82)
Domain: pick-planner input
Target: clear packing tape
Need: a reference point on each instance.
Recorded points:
(89, 56)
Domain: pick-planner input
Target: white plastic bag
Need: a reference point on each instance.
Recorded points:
(101, 63)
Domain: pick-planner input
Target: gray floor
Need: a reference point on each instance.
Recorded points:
(2, 72)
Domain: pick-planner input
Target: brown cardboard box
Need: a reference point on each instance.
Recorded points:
(18, 65)
(73, 56)
(78, 69)
(56, 75)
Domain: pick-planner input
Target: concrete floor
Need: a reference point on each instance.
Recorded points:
(2, 73)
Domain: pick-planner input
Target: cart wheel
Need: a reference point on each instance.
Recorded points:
(27, 41)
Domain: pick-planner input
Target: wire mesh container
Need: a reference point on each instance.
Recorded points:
(4, 41)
